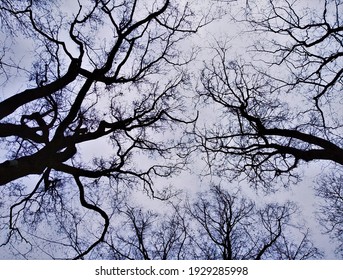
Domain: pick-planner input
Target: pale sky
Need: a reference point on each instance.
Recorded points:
(221, 30)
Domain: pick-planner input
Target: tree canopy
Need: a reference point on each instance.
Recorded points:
(91, 73)
(100, 99)
(283, 107)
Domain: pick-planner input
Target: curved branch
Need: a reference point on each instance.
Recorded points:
(95, 208)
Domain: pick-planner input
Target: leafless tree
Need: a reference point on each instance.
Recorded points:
(282, 107)
(330, 213)
(231, 227)
(216, 225)
(79, 77)
(145, 234)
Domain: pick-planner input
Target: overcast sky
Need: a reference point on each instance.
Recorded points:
(220, 30)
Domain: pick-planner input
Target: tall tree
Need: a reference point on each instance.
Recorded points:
(214, 225)
(330, 212)
(231, 227)
(149, 235)
(86, 86)
(281, 107)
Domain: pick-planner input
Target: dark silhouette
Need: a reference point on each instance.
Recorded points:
(283, 107)
(93, 106)
(215, 225)
(106, 73)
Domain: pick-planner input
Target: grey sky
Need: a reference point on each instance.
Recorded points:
(217, 32)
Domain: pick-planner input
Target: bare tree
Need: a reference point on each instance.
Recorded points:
(145, 234)
(330, 213)
(282, 107)
(216, 226)
(230, 227)
(102, 76)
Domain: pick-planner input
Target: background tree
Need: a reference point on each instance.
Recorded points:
(82, 94)
(146, 234)
(230, 227)
(213, 225)
(330, 212)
